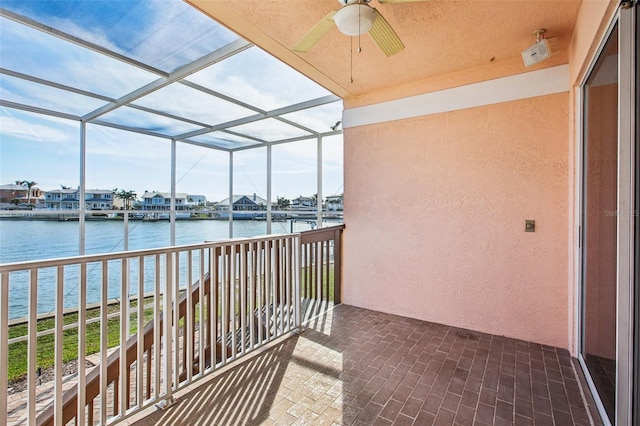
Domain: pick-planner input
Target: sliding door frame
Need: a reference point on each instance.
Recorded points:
(627, 205)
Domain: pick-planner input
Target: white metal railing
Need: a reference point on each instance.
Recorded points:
(203, 306)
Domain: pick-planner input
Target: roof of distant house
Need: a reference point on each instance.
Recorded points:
(254, 198)
(13, 187)
(151, 194)
(63, 191)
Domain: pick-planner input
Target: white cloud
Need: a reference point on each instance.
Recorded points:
(28, 130)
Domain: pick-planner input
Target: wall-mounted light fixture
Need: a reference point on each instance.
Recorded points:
(355, 19)
(541, 50)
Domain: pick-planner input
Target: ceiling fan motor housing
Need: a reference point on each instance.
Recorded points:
(348, 2)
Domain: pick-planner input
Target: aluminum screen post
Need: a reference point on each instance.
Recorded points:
(269, 152)
(172, 206)
(83, 169)
(319, 177)
(230, 194)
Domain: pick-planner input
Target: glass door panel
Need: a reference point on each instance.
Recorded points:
(599, 244)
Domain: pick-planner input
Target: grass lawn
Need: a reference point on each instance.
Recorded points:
(18, 352)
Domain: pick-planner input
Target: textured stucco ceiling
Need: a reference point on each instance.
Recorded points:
(441, 37)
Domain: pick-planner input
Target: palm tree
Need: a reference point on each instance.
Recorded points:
(127, 196)
(29, 184)
(283, 202)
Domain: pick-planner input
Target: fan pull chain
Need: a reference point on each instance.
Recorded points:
(359, 30)
(351, 61)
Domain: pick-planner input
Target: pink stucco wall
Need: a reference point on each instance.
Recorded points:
(435, 209)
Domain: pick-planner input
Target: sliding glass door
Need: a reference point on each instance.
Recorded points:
(600, 198)
(609, 235)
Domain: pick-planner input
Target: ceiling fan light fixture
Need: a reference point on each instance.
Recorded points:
(355, 19)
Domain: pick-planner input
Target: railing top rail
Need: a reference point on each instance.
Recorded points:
(90, 258)
(317, 234)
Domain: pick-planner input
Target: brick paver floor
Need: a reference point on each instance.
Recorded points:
(356, 366)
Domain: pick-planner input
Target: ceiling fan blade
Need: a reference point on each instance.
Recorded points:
(400, 1)
(316, 33)
(384, 36)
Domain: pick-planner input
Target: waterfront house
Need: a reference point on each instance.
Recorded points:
(99, 199)
(489, 262)
(243, 203)
(334, 202)
(194, 201)
(17, 194)
(303, 202)
(161, 201)
(62, 199)
(69, 199)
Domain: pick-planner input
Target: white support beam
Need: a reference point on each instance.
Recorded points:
(131, 129)
(269, 194)
(319, 184)
(222, 126)
(218, 55)
(312, 103)
(253, 138)
(53, 84)
(37, 110)
(82, 204)
(230, 194)
(206, 145)
(172, 213)
(262, 115)
(222, 96)
(296, 139)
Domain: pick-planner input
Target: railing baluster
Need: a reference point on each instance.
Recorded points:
(188, 319)
(201, 362)
(281, 279)
(242, 257)
(224, 317)
(297, 296)
(201, 327)
(232, 299)
(104, 333)
(59, 344)
(4, 346)
(166, 344)
(267, 292)
(157, 362)
(82, 344)
(176, 319)
(327, 263)
(318, 269)
(309, 268)
(337, 265)
(32, 345)
(252, 294)
(260, 288)
(124, 333)
(140, 345)
(288, 282)
(213, 308)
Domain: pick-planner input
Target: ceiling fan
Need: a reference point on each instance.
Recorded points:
(356, 17)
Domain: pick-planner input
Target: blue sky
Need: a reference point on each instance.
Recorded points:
(165, 34)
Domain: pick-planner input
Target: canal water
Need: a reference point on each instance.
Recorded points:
(25, 240)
